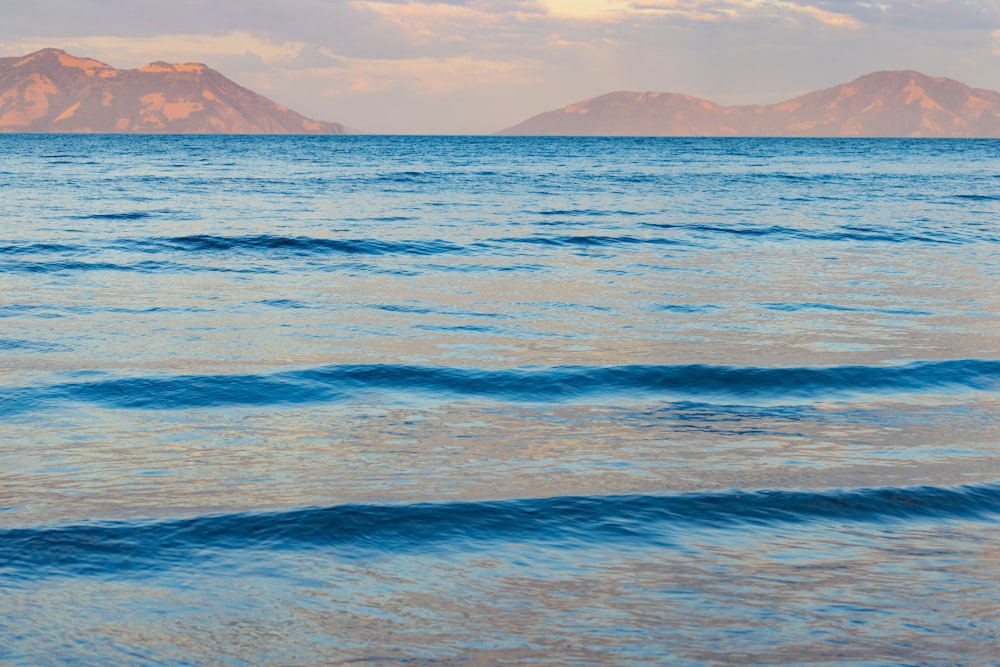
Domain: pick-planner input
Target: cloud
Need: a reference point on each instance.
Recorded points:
(700, 10)
(428, 28)
(422, 77)
(477, 65)
(738, 10)
(833, 19)
(587, 8)
(426, 22)
(940, 15)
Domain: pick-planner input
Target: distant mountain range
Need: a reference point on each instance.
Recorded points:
(883, 104)
(53, 91)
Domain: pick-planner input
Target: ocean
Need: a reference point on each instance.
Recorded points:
(492, 400)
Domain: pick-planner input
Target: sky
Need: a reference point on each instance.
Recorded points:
(477, 66)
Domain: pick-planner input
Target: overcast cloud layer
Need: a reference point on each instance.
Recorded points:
(475, 66)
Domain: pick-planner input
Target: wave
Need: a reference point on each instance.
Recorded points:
(692, 382)
(410, 177)
(30, 248)
(62, 266)
(294, 245)
(260, 244)
(122, 215)
(55, 312)
(685, 308)
(584, 213)
(976, 197)
(851, 233)
(793, 307)
(357, 530)
(49, 257)
(149, 266)
(19, 345)
(589, 240)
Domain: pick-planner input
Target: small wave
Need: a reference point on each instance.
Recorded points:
(583, 213)
(694, 382)
(852, 233)
(64, 266)
(863, 233)
(458, 328)
(410, 177)
(122, 215)
(588, 240)
(284, 303)
(149, 266)
(20, 345)
(977, 197)
(468, 267)
(793, 307)
(685, 308)
(402, 308)
(294, 245)
(30, 248)
(353, 531)
(22, 309)
(53, 312)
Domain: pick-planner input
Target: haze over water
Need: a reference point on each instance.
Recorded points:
(544, 401)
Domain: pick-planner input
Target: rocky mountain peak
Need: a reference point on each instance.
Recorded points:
(53, 91)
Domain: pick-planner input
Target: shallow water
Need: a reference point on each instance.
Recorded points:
(323, 400)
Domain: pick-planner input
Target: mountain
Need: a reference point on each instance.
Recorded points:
(53, 91)
(883, 104)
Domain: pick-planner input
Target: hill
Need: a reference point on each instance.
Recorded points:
(882, 104)
(53, 91)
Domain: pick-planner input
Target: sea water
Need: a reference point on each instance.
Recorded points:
(475, 401)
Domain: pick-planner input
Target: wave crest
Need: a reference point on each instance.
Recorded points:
(692, 382)
(633, 521)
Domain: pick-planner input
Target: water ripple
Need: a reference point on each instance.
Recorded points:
(632, 521)
(692, 382)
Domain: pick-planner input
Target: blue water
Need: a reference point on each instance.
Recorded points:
(476, 401)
